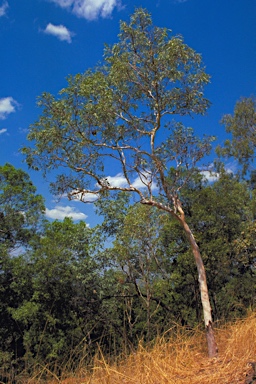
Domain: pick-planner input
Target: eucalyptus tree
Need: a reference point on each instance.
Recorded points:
(120, 116)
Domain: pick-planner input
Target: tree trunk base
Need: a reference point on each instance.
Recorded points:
(212, 346)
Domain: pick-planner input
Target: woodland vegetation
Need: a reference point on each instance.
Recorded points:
(66, 288)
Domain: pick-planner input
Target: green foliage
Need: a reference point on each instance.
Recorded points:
(63, 276)
(113, 211)
(137, 252)
(112, 115)
(21, 216)
(242, 127)
(67, 292)
(218, 214)
(20, 208)
(70, 287)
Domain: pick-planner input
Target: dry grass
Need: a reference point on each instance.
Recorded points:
(182, 359)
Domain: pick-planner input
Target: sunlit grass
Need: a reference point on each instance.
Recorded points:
(178, 357)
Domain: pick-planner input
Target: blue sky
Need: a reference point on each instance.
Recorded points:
(44, 41)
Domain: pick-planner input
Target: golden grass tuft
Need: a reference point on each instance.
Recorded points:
(182, 359)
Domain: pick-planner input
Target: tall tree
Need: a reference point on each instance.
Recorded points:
(119, 115)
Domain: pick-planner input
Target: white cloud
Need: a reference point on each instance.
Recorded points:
(59, 31)
(117, 181)
(3, 8)
(7, 105)
(3, 131)
(89, 9)
(85, 197)
(63, 3)
(210, 176)
(120, 181)
(60, 212)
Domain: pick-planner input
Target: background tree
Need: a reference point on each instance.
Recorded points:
(242, 126)
(243, 286)
(138, 254)
(21, 210)
(59, 316)
(217, 224)
(118, 115)
(70, 287)
(21, 216)
(224, 219)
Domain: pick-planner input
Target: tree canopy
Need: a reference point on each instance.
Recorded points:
(21, 210)
(119, 115)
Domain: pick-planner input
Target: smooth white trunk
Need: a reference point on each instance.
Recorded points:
(207, 311)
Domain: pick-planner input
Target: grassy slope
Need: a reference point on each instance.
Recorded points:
(182, 359)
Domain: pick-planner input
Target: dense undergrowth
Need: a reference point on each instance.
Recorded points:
(180, 356)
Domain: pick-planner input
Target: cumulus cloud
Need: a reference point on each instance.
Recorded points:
(117, 181)
(89, 9)
(85, 197)
(120, 181)
(3, 131)
(7, 106)
(4, 8)
(60, 212)
(210, 176)
(59, 31)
